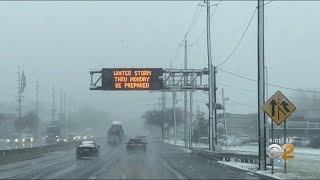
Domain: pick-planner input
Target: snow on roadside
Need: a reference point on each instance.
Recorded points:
(187, 150)
(254, 148)
(171, 141)
(181, 143)
(253, 169)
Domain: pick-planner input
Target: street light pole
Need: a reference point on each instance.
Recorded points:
(261, 88)
(211, 129)
(224, 116)
(174, 116)
(185, 96)
(164, 114)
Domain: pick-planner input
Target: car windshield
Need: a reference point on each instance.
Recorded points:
(135, 141)
(87, 142)
(159, 89)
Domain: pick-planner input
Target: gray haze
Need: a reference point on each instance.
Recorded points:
(58, 43)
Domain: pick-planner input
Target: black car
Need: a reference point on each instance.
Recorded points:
(87, 149)
(136, 144)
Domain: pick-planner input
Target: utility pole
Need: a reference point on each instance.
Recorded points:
(197, 118)
(261, 88)
(37, 110)
(211, 129)
(53, 105)
(174, 116)
(19, 96)
(70, 111)
(225, 117)
(164, 114)
(190, 119)
(215, 104)
(60, 114)
(269, 121)
(185, 96)
(64, 113)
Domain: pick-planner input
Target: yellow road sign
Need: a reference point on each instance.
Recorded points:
(278, 107)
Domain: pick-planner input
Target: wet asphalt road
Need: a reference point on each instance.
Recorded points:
(161, 161)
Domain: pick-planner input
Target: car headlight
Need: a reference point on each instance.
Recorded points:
(16, 140)
(85, 137)
(74, 138)
(56, 136)
(23, 140)
(31, 139)
(65, 140)
(58, 140)
(8, 140)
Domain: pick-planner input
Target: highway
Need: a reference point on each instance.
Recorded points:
(161, 161)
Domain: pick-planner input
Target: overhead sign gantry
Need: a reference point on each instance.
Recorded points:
(128, 79)
(158, 79)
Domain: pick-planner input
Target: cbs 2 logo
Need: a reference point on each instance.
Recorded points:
(275, 151)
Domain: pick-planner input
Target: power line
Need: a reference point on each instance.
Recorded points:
(238, 75)
(195, 18)
(252, 91)
(282, 87)
(204, 29)
(267, 2)
(293, 89)
(248, 90)
(244, 33)
(242, 104)
(178, 50)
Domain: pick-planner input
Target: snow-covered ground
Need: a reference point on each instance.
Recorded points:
(253, 169)
(254, 148)
(248, 148)
(181, 143)
(304, 164)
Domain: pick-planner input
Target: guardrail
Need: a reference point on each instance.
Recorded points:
(227, 156)
(13, 155)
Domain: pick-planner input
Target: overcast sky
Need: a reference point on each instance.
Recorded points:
(58, 43)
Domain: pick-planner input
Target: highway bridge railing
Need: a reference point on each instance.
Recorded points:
(245, 157)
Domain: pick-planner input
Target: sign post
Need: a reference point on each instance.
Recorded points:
(279, 108)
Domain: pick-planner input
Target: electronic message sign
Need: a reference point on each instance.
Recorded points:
(132, 78)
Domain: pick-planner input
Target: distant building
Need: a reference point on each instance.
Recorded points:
(241, 124)
(307, 126)
(301, 126)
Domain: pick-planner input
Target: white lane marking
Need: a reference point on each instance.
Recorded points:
(172, 170)
(123, 176)
(40, 174)
(94, 175)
